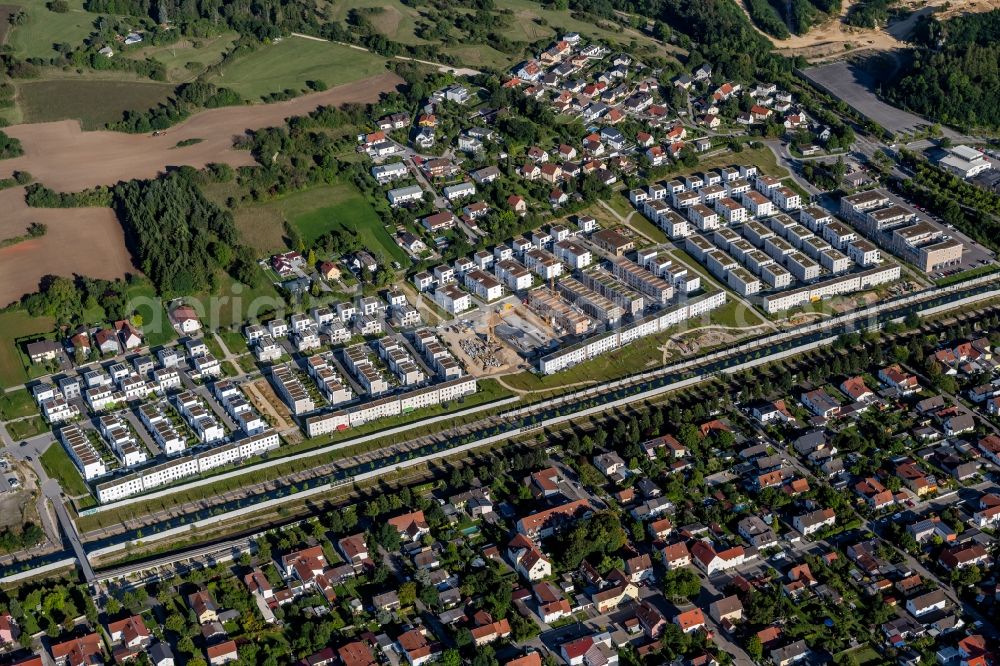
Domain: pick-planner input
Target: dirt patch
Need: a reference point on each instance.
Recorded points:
(65, 158)
(835, 38)
(266, 401)
(6, 11)
(84, 241)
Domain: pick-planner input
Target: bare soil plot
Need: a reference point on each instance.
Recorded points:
(65, 158)
(81, 241)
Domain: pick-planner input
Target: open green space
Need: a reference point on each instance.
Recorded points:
(234, 341)
(93, 102)
(532, 22)
(315, 212)
(16, 404)
(26, 428)
(58, 465)
(233, 302)
(290, 63)
(761, 157)
(42, 30)
(156, 326)
(395, 20)
(735, 314)
(188, 58)
(14, 325)
(643, 354)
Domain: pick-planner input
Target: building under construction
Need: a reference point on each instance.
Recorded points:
(550, 306)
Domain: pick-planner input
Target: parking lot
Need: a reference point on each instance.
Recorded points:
(855, 84)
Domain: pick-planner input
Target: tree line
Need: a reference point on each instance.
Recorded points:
(955, 74)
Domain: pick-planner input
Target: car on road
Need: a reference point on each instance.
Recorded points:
(24, 444)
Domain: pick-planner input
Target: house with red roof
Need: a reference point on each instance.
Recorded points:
(894, 376)
(652, 620)
(855, 389)
(675, 555)
(80, 651)
(545, 523)
(356, 654)
(223, 653)
(130, 633)
(491, 631)
(876, 495)
(704, 555)
(691, 620)
(9, 631)
(415, 647)
(527, 559)
(411, 526)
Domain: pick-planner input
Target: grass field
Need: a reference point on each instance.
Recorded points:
(93, 103)
(188, 58)
(233, 302)
(58, 466)
(43, 29)
(14, 325)
(16, 404)
(156, 325)
(315, 212)
(26, 428)
(293, 61)
(396, 21)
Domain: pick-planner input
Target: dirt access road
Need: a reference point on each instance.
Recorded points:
(64, 157)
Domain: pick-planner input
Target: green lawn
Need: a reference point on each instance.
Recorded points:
(26, 428)
(189, 57)
(58, 465)
(233, 303)
(235, 342)
(314, 212)
(735, 314)
(293, 61)
(14, 325)
(156, 326)
(16, 404)
(94, 103)
(43, 29)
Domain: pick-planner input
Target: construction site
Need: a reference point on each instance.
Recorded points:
(499, 339)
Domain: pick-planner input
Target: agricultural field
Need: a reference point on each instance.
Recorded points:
(94, 103)
(89, 241)
(15, 325)
(188, 58)
(315, 212)
(43, 30)
(293, 61)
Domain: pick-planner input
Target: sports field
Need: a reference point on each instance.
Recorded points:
(293, 61)
(94, 103)
(315, 212)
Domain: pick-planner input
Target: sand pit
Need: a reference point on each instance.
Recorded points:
(80, 241)
(65, 158)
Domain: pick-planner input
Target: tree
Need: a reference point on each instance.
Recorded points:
(755, 648)
(681, 583)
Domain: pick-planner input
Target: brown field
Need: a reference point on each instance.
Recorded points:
(81, 241)
(65, 158)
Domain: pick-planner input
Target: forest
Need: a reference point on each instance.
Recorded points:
(179, 237)
(955, 74)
